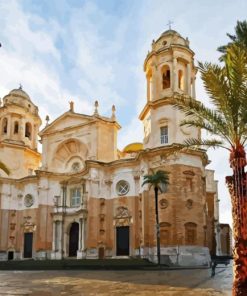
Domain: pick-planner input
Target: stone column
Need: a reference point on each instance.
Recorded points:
(152, 84)
(34, 136)
(54, 247)
(148, 88)
(60, 236)
(188, 79)
(175, 75)
(9, 127)
(83, 235)
(22, 128)
(80, 235)
(194, 88)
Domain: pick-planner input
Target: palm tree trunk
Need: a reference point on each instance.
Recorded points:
(237, 188)
(157, 223)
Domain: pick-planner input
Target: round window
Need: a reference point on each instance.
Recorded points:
(76, 167)
(122, 187)
(28, 200)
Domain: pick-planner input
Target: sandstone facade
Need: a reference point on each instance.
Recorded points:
(84, 198)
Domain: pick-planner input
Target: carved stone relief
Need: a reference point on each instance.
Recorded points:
(164, 203)
(122, 217)
(189, 204)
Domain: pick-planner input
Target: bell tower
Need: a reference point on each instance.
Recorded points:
(170, 71)
(19, 127)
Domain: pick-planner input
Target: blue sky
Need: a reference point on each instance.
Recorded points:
(86, 50)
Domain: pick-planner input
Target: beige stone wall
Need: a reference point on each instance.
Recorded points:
(75, 138)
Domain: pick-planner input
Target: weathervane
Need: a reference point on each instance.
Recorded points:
(169, 24)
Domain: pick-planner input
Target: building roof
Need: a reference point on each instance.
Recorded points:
(170, 32)
(20, 93)
(133, 147)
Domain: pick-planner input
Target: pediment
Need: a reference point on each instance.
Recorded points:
(67, 120)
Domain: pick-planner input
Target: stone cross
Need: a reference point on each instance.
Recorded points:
(169, 24)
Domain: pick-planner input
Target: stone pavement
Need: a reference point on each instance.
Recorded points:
(193, 282)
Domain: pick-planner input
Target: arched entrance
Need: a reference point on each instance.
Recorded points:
(73, 239)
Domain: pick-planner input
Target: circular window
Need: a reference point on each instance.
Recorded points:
(163, 203)
(28, 200)
(76, 166)
(122, 187)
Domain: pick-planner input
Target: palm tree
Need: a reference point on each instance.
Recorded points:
(4, 168)
(226, 86)
(157, 181)
(240, 38)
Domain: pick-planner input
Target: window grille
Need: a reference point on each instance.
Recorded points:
(164, 135)
(75, 194)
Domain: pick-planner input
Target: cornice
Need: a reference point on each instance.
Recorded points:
(20, 147)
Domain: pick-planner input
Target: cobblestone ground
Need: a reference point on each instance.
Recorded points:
(194, 282)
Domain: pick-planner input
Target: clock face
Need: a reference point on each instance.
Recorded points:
(28, 200)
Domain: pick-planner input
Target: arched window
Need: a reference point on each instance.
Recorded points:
(165, 233)
(166, 77)
(28, 130)
(180, 80)
(16, 127)
(190, 233)
(5, 125)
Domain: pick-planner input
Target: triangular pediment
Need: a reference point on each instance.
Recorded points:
(67, 120)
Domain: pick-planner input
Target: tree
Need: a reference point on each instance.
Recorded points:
(4, 168)
(239, 38)
(226, 86)
(157, 180)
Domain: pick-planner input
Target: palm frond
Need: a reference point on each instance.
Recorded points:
(195, 110)
(193, 143)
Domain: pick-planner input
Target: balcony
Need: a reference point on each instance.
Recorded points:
(68, 209)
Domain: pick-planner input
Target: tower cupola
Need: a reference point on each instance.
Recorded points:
(169, 67)
(19, 119)
(170, 71)
(19, 127)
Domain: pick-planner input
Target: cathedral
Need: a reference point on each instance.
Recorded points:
(83, 198)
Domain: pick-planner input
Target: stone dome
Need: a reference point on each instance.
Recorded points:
(168, 39)
(19, 92)
(18, 97)
(170, 32)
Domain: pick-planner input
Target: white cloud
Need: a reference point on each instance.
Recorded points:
(95, 54)
(131, 133)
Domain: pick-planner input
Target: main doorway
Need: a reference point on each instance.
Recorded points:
(73, 239)
(28, 245)
(122, 234)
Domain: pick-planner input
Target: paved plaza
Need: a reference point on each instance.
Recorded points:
(70, 282)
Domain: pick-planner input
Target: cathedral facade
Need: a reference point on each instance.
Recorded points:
(83, 197)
